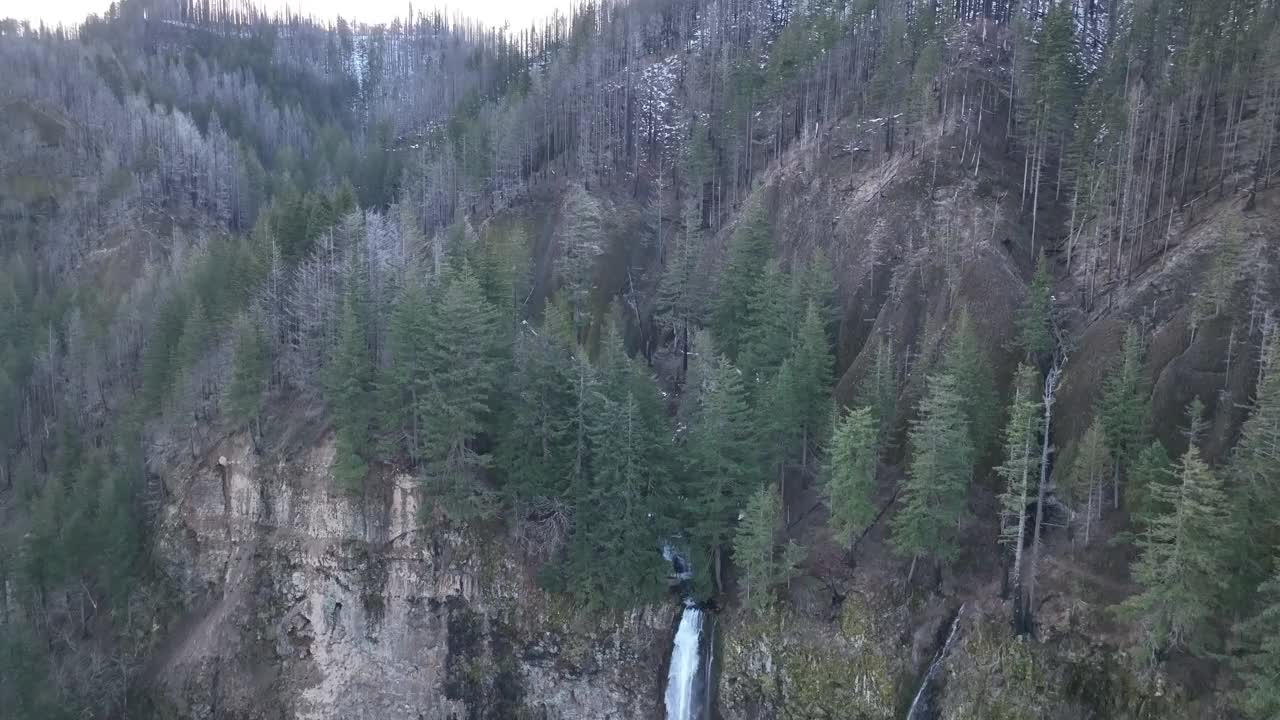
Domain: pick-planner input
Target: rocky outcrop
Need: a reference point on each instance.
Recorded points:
(309, 604)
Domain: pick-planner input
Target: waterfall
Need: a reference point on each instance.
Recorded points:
(920, 705)
(683, 676)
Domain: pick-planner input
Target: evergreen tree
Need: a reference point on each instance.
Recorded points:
(1035, 319)
(934, 497)
(755, 549)
(879, 391)
(769, 328)
(1153, 466)
(462, 371)
(970, 367)
(408, 384)
(1255, 468)
(352, 392)
(249, 374)
(851, 465)
(749, 249)
(777, 421)
(723, 465)
(1125, 408)
(1258, 662)
(812, 365)
(197, 335)
(1085, 480)
(1181, 567)
(1021, 469)
(538, 448)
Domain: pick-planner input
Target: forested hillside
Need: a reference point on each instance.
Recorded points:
(892, 307)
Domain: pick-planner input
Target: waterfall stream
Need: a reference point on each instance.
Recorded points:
(920, 704)
(682, 679)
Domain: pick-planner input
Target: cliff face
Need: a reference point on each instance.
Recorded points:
(310, 605)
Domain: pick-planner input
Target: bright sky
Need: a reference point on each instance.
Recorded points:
(493, 12)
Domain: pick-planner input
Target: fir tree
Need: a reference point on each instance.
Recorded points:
(1153, 466)
(351, 385)
(755, 548)
(1085, 480)
(879, 391)
(723, 464)
(407, 389)
(1258, 661)
(812, 365)
(462, 375)
(1035, 320)
(970, 367)
(1181, 567)
(1125, 408)
(1255, 467)
(1021, 469)
(749, 250)
(934, 497)
(770, 326)
(850, 474)
(249, 373)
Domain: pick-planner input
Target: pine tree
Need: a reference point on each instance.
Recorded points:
(197, 335)
(749, 249)
(1255, 468)
(1021, 468)
(1258, 662)
(755, 549)
(1153, 466)
(934, 497)
(879, 391)
(723, 464)
(462, 371)
(1035, 320)
(812, 365)
(352, 391)
(1181, 566)
(770, 326)
(970, 367)
(777, 422)
(1085, 481)
(850, 474)
(408, 384)
(1125, 408)
(250, 370)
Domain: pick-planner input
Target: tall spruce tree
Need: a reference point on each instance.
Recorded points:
(1035, 320)
(1258, 661)
(723, 465)
(250, 371)
(750, 247)
(935, 495)
(352, 392)
(1255, 468)
(1085, 484)
(812, 365)
(1125, 408)
(756, 552)
(850, 474)
(970, 367)
(770, 329)
(879, 391)
(1181, 567)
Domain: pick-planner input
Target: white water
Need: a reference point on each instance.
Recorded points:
(682, 677)
(920, 704)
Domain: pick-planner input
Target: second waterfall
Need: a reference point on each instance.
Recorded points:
(682, 678)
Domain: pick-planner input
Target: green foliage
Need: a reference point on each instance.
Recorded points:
(1035, 320)
(1085, 478)
(352, 393)
(812, 363)
(250, 371)
(970, 366)
(756, 552)
(749, 250)
(1125, 404)
(1152, 467)
(1181, 567)
(769, 326)
(723, 463)
(935, 496)
(1258, 661)
(850, 473)
(1255, 470)
(879, 392)
(1021, 468)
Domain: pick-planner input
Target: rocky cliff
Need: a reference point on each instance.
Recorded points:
(311, 605)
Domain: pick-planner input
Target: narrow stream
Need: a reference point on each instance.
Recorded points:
(920, 705)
